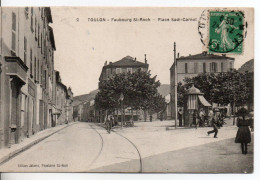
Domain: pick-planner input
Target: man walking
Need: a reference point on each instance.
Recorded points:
(215, 128)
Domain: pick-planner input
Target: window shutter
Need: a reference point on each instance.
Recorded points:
(14, 21)
(195, 67)
(204, 68)
(13, 41)
(25, 49)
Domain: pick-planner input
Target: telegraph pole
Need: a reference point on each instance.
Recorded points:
(175, 85)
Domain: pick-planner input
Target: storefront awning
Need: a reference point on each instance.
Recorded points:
(203, 101)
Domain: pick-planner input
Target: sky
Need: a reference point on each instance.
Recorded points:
(82, 45)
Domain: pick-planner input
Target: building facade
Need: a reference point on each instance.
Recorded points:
(63, 106)
(193, 65)
(27, 78)
(127, 64)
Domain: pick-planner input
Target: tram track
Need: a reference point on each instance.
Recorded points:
(101, 149)
(139, 154)
(122, 136)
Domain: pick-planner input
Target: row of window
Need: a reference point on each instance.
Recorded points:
(119, 70)
(35, 67)
(213, 67)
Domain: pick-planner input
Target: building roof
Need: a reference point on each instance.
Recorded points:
(194, 90)
(204, 56)
(58, 82)
(127, 61)
(52, 38)
(48, 13)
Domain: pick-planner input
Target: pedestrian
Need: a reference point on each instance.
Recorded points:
(201, 117)
(180, 117)
(215, 128)
(243, 133)
(108, 123)
(217, 118)
(210, 117)
(195, 118)
(112, 120)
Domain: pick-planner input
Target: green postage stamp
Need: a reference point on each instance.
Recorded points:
(226, 32)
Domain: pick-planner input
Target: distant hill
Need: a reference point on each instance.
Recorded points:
(248, 66)
(164, 89)
(85, 97)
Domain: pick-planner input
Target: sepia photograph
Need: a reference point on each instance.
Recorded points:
(127, 89)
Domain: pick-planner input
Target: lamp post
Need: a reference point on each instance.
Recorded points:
(121, 98)
(175, 85)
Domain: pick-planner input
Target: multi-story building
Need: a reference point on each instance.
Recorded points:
(192, 65)
(63, 102)
(126, 65)
(27, 79)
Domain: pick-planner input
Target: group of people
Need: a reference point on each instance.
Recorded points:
(110, 122)
(201, 119)
(215, 119)
(243, 135)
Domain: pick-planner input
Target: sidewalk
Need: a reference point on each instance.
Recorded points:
(7, 153)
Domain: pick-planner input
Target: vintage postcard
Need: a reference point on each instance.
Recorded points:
(127, 89)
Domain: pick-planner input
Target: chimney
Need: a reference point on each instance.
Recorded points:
(145, 60)
(204, 53)
(110, 62)
(189, 54)
(105, 63)
(135, 59)
(178, 55)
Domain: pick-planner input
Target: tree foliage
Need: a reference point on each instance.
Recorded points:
(139, 90)
(231, 87)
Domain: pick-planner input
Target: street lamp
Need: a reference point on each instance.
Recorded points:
(121, 98)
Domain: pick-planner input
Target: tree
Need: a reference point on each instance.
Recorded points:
(234, 88)
(250, 85)
(157, 104)
(182, 90)
(206, 83)
(139, 90)
(229, 87)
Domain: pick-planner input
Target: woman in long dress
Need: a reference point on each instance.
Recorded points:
(243, 133)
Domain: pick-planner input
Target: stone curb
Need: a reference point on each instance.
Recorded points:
(27, 146)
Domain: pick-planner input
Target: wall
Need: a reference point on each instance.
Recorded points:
(35, 98)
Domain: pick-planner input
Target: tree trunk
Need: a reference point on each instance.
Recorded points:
(233, 112)
(116, 115)
(145, 115)
(124, 116)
